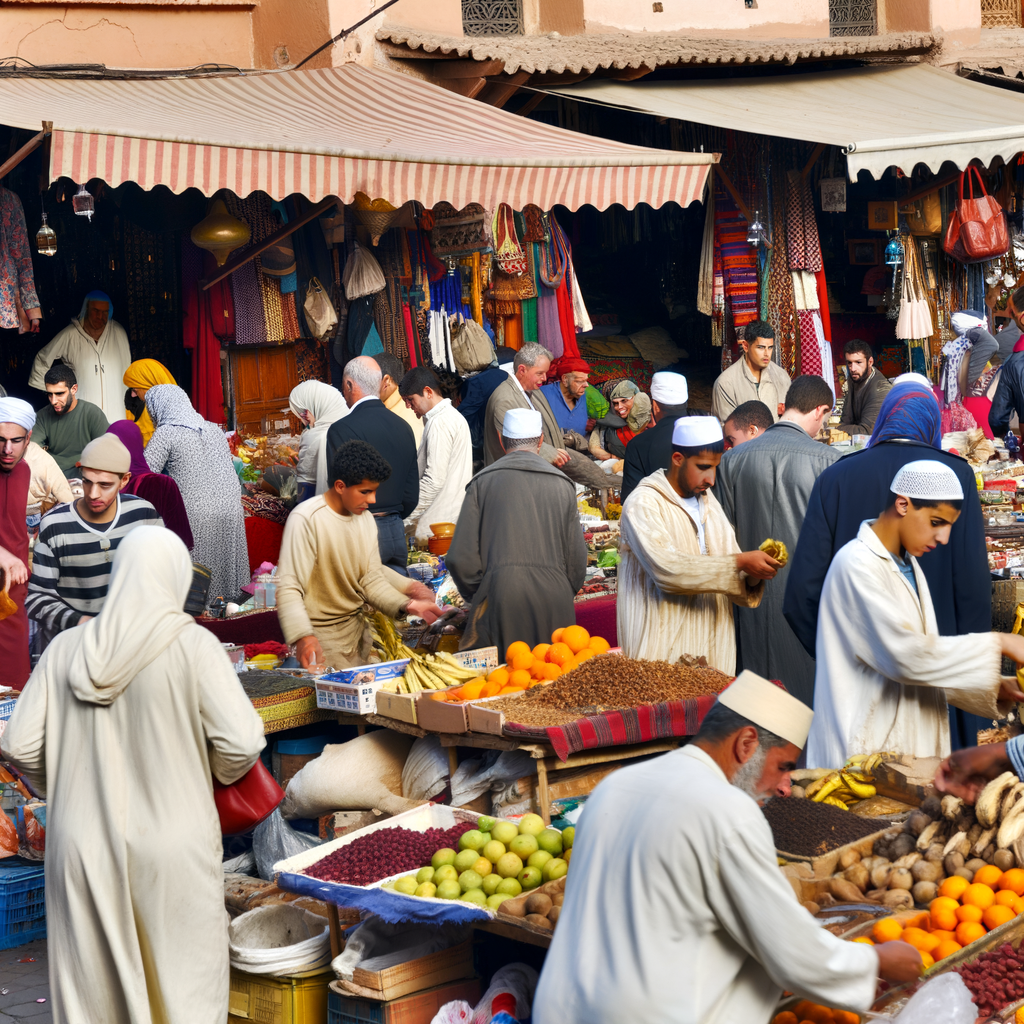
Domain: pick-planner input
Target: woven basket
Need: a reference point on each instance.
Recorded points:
(378, 221)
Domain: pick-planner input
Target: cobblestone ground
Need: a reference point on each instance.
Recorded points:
(24, 981)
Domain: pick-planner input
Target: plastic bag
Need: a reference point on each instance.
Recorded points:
(279, 939)
(474, 777)
(30, 824)
(942, 1000)
(511, 991)
(274, 840)
(426, 770)
(457, 1012)
(8, 837)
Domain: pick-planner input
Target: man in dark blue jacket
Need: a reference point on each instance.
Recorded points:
(368, 420)
(651, 449)
(1009, 396)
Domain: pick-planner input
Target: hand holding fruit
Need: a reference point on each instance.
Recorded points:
(758, 564)
(899, 962)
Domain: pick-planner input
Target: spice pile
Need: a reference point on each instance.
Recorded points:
(995, 979)
(807, 829)
(383, 853)
(609, 682)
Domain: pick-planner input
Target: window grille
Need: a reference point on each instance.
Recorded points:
(492, 17)
(1000, 13)
(853, 17)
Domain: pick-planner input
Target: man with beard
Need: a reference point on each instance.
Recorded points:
(700, 924)
(867, 390)
(68, 423)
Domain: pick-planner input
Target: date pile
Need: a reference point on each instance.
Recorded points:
(995, 979)
(385, 852)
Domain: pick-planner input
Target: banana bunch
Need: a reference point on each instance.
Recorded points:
(843, 786)
(430, 672)
(1000, 811)
(869, 762)
(387, 641)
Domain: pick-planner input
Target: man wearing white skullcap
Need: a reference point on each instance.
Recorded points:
(884, 674)
(651, 449)
(17, 418)
(518, 555)
(682, 570)
(700, 924)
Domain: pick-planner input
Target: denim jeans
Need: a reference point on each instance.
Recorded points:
(391, 542)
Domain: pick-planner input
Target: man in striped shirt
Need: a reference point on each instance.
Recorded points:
(73, 555)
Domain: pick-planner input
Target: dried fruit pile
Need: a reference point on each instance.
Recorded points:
(807, 829)
(995, 979)
(383, 853)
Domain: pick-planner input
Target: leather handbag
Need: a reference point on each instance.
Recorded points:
(977, 228)
(471, 348)
(247, 802)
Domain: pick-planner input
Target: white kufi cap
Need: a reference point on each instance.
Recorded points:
(693, 431)
(913, 378)
(928, 480)
(16, 410)
(669, 388)
(768, 706)
(522, 423)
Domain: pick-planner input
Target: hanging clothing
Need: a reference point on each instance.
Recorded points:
(112, 705)
(208, 319)
(195, 454)
(140, 376)
(445, 460)
(19, 302)
(14, 487)
(326, 406)
(884, 673)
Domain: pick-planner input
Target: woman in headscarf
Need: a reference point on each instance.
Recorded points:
(318, 405)
(195, 453)
(125, 723)
(909, 413)
(156, 488)
(630, 415)
(140, 376)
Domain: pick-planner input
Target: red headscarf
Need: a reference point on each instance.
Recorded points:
(568, 364)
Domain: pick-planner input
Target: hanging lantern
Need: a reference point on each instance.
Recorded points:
(755, 232)
(83, 203)
(893, 253)
(220, 232)
(46, 239)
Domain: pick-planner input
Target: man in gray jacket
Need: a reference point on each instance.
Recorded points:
(764, 486)
(866, 392)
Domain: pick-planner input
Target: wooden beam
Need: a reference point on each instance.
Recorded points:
(468, 87)
(933, 186)
(626, 74)
(731, 189)
(569, 78)
(468, 69)
(531, 104)
(27, 150)
(500, 90)
(818, 150)
(283, 232)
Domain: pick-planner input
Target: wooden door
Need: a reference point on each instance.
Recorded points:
(262, 378)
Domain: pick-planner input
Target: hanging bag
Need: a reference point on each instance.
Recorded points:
(924, 215)
(508, 253)
(471, 348)
(321, 315)
(554, 255)
(245, 803)
(363, 275)
(977, 228)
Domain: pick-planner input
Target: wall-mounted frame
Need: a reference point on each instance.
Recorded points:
(865, 252)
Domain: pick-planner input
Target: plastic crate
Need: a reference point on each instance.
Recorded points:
(22, 903)
(262, 999)
(417, 1008)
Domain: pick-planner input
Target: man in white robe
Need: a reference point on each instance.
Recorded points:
(96, 347)
(883, 673)
(675, 908)
(682, 570)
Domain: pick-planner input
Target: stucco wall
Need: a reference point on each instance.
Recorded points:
(286, 31)
(769, 18)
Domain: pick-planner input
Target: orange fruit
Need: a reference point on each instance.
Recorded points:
(996, 915)
(1006, 898)
(559, 654)
(954, 887)
(1012, 881)
(919, 920)
(947, 948)
(969, 914)
(821, 1015)
(977, 894)
(576, 638)
(786, 1017)
(557, 635)
(865, 940)
(943, 935)
(1018, 906)
(540, 651)
(587, 652)
(506, 690)
(519, 647)
(537, 669)
(493, 686)
(927, 959)
(801, 1009)
(845, 1017)
(969, 932)
(943, 901)
(520, 677)
(989, 875)
(536, 682)
(599, 645)
(887, 930)
(920, 939)
(521, 659)
(499, 676)
(551, 671)
(472, 689)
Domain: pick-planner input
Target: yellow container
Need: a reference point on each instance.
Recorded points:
(257, 999)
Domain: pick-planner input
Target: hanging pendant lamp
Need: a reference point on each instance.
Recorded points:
(83, 203)
(220, 233)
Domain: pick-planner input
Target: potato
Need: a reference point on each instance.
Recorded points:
(965, 873)
(537, 920)
(952, 861)
(810, 906)
(552, 888)
(934, 853)
(908, 861)
(871, 862)
(932, 806)
(917, 822)
(515, 907)
(989, 853)
(901, 878)
(1003, 859)
(558, 899)
(538, 903)
(553, 915)
(849, 858)
(896, 898)
(844, 891)
(924, 892)
(858, 875)
(875, 895)
(974, 864)
(797, 791)
(880, 876)
(926, 871)
(881, 847)
(901, 846)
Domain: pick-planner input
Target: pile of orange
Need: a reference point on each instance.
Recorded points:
(806, 1012)
(962, 913)
(525, 667)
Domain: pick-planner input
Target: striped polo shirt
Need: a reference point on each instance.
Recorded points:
(72, 561)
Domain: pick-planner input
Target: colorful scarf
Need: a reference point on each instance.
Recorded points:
(908, 413)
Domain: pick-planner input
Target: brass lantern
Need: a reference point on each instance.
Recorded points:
(220, 232)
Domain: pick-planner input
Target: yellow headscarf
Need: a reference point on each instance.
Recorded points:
(142, 375)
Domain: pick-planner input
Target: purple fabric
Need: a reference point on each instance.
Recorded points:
(129, 434)
(549, 329)
(250, 320)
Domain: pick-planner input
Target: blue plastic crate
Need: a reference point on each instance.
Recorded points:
(22, 903)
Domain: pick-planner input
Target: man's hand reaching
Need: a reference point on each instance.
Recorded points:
(427, 610)
(757, 564)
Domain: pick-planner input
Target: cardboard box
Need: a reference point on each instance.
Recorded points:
(440, 715)
(400, 706)
(480, 717)
(354, 689)
(418, 1008)
(425, 972)
(260, 999)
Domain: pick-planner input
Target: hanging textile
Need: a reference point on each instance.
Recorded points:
(781, 307)
(549, 328)
(803, 246)
(198, 334)
(387, 308)
(17, 279)
(739, 260)
(566, 317)
(706, 276)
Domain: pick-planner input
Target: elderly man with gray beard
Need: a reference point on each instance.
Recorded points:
(675, 908)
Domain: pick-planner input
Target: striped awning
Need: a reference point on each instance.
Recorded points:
(336, 132)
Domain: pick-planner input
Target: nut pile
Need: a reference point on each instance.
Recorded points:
(995, 979)
(807, 829)
(383, 853)
(609, 682)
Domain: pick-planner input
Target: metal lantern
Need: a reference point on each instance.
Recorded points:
(46, 239)
(893, 253)
(83, 203)
(220, 232)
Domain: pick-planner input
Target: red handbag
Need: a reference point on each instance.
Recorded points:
(247, 802)
(977, 227)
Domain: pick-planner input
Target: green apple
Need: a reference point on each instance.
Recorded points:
(538, 859)
(551, 840)
(406, 885)
(485, 824)
(483, 867)
(442, 857)
(426, 889)
(465, 860)
(554, 868)
(476, 896)
(425, 875)
(490, 883)
(472, 840)
(509, 887)
(449, 890)
(486, 837)
(509, 865)
(469, 880)
(531, 825)
(497, 899)
(523, 846)
(494, 850)
(530, 878)
(446, 873)
(568, 835)
(504, 832)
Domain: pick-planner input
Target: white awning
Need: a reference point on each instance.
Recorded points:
(881, 116)
(336, 132)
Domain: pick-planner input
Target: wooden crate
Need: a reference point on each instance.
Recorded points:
(425, 972)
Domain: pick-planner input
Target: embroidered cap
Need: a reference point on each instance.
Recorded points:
(928, 480)
(522, 423)
(768, 706)
(693, 431)
(669, 388)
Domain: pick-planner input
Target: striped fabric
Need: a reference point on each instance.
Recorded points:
(337, 131)
(72, 560)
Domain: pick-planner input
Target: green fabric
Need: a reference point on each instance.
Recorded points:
(66, 435)
(597, 404)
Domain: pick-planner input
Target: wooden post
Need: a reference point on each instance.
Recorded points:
(30, 147)
(334, 923)
(453, 761)
(543, 794)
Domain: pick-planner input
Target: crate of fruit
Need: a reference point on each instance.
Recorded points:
(431, 864)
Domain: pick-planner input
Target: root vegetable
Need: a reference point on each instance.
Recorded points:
(901, 878)
(908, 861)
(953, 861)
(934, 853)
(875, 895)
(881, 847)
(901, 846)
(537, 920)
(880, 876)
(925, 839)
(538, 903)
(515, 907)
(931, 806)
(924, 892)
(858, 875)
(553, 914)
(871, 862)
(797, 791)
(810, 906)
(917, 823)
(844, 890)
(926, 871)
(950, 805)
(1003, 859)
(848, 858)
(964, 873)
(974, 864)
(898, 898)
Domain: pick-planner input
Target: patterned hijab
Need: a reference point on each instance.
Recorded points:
(169, 406)
(908, 413)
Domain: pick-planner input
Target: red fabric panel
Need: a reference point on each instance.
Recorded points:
(597, 617)
(245, 629)
(263, 539)
(14, 537)
(979, 407)
(566, 319)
